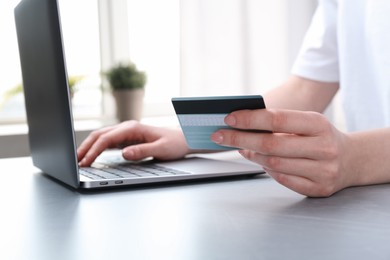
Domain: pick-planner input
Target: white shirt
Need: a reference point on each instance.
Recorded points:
(349, 42)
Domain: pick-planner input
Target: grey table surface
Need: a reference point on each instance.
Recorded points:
(244, 218)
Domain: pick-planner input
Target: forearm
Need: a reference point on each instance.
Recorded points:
(367, 159)
(297, 93)
(301, 94)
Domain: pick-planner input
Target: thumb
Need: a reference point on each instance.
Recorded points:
(139, 151)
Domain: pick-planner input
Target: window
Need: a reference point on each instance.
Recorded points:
(234, 47)
(11, 109)
(81, 42)
(186, 47)
(154, 44)
(80, 29)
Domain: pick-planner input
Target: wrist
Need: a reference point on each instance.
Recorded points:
(367, 157)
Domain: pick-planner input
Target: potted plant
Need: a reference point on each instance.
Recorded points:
(10, 93)
(72, 82)
(18, 89)
(128, 87)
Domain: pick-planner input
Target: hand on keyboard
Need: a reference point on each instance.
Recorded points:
(137, 141)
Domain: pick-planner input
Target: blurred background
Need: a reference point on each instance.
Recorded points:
(185, 47)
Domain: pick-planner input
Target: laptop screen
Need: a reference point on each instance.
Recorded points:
(48, 107)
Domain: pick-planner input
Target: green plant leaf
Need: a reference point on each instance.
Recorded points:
(125, 76)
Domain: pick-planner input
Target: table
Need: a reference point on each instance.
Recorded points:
(239, 218)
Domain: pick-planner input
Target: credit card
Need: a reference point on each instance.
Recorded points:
(200, 117)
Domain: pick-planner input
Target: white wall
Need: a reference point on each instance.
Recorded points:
(227, 47)
(240, 46)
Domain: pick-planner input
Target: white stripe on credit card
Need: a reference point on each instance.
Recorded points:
(202, 119)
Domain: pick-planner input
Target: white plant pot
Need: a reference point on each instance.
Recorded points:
(129, 104)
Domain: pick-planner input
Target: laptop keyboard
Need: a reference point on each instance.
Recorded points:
(129, 171)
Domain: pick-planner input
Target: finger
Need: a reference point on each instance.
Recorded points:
(302, 185)
(90, 140)
(281, 145)
(140, 151)
(278, 121)
(160, 149)
(300, 167)
(295, 183)
(308, 177)
(110, 139)
(293, 166)
(102, 140)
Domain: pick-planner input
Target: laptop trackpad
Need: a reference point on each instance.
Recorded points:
(210, 166)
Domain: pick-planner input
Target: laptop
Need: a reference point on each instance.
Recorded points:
(50, 122)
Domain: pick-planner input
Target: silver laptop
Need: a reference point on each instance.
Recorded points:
(50, 122)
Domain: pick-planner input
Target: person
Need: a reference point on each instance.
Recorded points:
(346, 50)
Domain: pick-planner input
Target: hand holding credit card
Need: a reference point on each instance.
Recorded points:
(199, 117)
